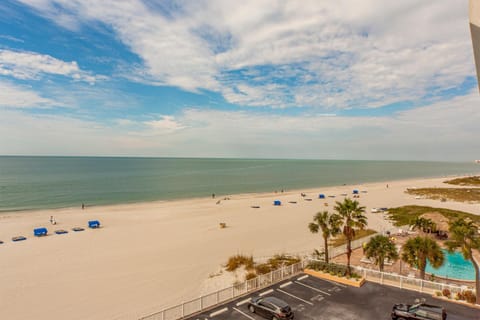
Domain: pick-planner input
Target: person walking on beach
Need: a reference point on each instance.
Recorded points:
(83, 206)
(52, 220)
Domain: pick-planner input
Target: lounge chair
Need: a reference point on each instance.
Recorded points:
(93, 224)
(61, 231)
(308, 199)
(255, 207)
(77, 229)
(19, 238)
(40, 232)
(293, 202)
(1, 241)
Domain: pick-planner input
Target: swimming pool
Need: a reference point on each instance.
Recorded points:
(454, 267)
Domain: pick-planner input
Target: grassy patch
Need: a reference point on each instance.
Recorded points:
(340, 240)
(275, 263)
(405, 215)
(466, 181)
(455, 194)
(239, 260)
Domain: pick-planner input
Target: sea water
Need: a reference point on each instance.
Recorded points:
(28, 183)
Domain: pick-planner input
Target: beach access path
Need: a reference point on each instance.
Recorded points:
(148, 256)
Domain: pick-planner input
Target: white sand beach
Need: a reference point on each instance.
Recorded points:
(148, 256)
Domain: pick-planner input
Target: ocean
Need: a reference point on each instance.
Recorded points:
(29, 183)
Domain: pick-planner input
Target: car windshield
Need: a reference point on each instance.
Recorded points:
(286, 309)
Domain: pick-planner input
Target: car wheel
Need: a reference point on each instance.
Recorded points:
(252, 309)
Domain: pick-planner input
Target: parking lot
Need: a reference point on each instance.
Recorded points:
(312, 298)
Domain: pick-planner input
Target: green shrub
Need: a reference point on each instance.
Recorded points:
(263, 268)
(239, 260)
(459, 296)
(446, 293)
(250, 275)
(469, 296)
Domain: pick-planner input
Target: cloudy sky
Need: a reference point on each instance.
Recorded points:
(315, 79)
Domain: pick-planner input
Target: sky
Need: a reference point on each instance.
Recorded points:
(370, 79)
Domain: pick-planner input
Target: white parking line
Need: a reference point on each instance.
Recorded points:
(246, 315)
(286, 284)
(291, 295)
(266, 292)
(303, 277)
(336, 283)
(213, 314)
(243, 302)
(313, 288)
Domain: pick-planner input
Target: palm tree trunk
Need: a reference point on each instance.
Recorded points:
(349, 253)
(325, 243)
(477, 278)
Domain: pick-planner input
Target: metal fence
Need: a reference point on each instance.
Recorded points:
(205, 302)
(409, 283)
(336, 251)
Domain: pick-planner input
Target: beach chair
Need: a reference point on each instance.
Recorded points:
(40, 232)
(19, 238)
(93, 224)
(61, 231)
(77, 229)
(1, 241)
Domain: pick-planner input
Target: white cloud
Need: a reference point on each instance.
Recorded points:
(342, 54)
(31, 65)
(166, 124)
(442, 131)
(14, 96)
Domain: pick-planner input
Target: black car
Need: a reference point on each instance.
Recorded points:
(270, 308)
(419, 311)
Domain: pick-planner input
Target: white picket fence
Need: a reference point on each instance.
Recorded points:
(208, 301)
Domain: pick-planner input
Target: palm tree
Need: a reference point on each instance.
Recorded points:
(464, 235)
(424, 225)
(380, 248)
(329, 224)
(418, 250)
(353, 219)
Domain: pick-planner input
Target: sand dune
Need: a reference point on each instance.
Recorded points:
(152, 255)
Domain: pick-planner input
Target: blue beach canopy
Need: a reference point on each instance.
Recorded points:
(321, 196)
(94, 224)
(38, 232)
(277, 203)
(355, 191)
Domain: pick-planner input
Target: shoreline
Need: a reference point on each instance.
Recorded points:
(244, 194)
(151, 255)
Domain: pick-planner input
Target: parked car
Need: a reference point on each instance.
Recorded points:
(270, 308)
(419, 311)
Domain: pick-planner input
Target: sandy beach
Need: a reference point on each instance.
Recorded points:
(148, 256)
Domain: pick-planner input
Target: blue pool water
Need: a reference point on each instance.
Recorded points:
(454, 267)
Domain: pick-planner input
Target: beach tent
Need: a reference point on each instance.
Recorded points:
(277, 203)
(355, 191)
(321, 196)
(94, 224)
(38, 232)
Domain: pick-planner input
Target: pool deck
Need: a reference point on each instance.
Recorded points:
(400, 267)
